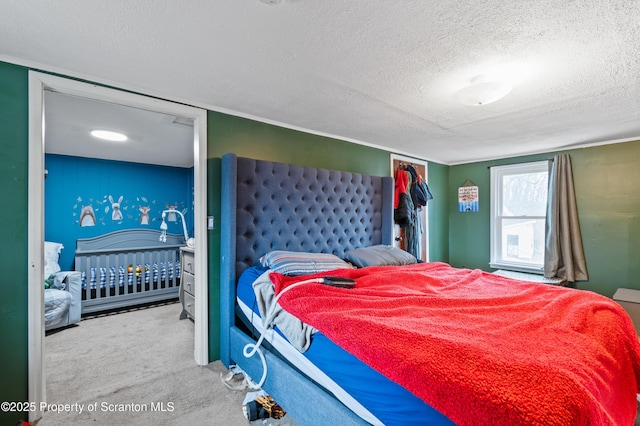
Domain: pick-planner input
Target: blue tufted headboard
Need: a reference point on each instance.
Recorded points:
(287, 207)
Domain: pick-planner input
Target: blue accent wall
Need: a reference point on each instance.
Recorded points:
(75, 183)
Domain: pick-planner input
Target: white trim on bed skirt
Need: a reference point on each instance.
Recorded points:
(307, 367)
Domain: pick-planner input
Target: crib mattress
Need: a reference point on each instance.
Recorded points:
(368, 393)
(130, 274)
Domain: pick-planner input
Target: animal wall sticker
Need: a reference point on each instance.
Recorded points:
(116, 214)
(87, 216)
(171, 217)
(144, 216)
(94, 211)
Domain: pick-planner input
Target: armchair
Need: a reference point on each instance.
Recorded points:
(62, 301)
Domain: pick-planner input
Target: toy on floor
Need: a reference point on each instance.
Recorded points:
(263, 407)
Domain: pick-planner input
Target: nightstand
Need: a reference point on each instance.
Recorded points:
(187, 282)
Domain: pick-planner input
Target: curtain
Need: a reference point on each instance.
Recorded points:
(564, 254)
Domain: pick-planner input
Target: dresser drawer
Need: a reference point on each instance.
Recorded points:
(188, 304)
(188, 262)
(188, 283)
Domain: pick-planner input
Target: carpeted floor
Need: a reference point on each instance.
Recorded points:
(136, 368)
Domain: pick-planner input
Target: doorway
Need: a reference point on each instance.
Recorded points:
(399, 237)
(38, 84)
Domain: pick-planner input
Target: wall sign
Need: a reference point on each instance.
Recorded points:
(468, 197)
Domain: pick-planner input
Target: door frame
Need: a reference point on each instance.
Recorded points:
(38, 83)
(393, 158)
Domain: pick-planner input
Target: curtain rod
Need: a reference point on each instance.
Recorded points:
(520, 162)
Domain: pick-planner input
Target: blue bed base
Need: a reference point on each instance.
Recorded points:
(385, 400)
(267, 206)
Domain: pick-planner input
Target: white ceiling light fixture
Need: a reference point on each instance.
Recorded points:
(271, 2)
(109, 135)
(482, 91)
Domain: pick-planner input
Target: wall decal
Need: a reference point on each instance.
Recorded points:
(144, 216)
(87, 216)
(116, 214)
(171, 217)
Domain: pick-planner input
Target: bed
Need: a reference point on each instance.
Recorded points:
(271, 206)
(127, 268)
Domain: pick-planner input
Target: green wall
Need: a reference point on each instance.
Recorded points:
(606, 179)
(13, 234)
(438, 210)
(248, 138)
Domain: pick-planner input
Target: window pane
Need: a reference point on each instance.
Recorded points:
(524, 194)
(523, 240)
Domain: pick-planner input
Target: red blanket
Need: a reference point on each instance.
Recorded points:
(480, 348)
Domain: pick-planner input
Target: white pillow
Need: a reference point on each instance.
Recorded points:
(51, 255)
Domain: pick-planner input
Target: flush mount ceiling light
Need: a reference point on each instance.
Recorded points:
(271, 2)
(482, 91)
(109, 136)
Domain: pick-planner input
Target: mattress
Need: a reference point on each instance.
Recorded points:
(368, 393)
(130, 275)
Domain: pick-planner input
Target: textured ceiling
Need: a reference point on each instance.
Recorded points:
(380, 73)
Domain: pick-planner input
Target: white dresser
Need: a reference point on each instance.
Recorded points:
(187, 282)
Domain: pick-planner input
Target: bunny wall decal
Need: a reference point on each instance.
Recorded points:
(116, 214)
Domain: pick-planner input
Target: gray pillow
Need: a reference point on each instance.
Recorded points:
(380, 255)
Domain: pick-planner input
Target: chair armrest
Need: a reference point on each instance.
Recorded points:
(73, 284)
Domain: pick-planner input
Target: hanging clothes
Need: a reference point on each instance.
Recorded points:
(404, 209)
(411, 194)
(419, 190)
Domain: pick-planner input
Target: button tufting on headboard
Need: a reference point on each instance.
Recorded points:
(282, 206)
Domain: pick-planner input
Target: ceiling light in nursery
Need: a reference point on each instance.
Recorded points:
(109, 135)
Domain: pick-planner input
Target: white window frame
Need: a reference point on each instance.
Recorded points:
(497, 173)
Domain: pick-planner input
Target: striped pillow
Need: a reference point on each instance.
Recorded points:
(299, 263)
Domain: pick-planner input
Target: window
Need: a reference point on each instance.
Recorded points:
(518, 208)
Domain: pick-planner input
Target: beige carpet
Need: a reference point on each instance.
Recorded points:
(134, 361)
(136, 368)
